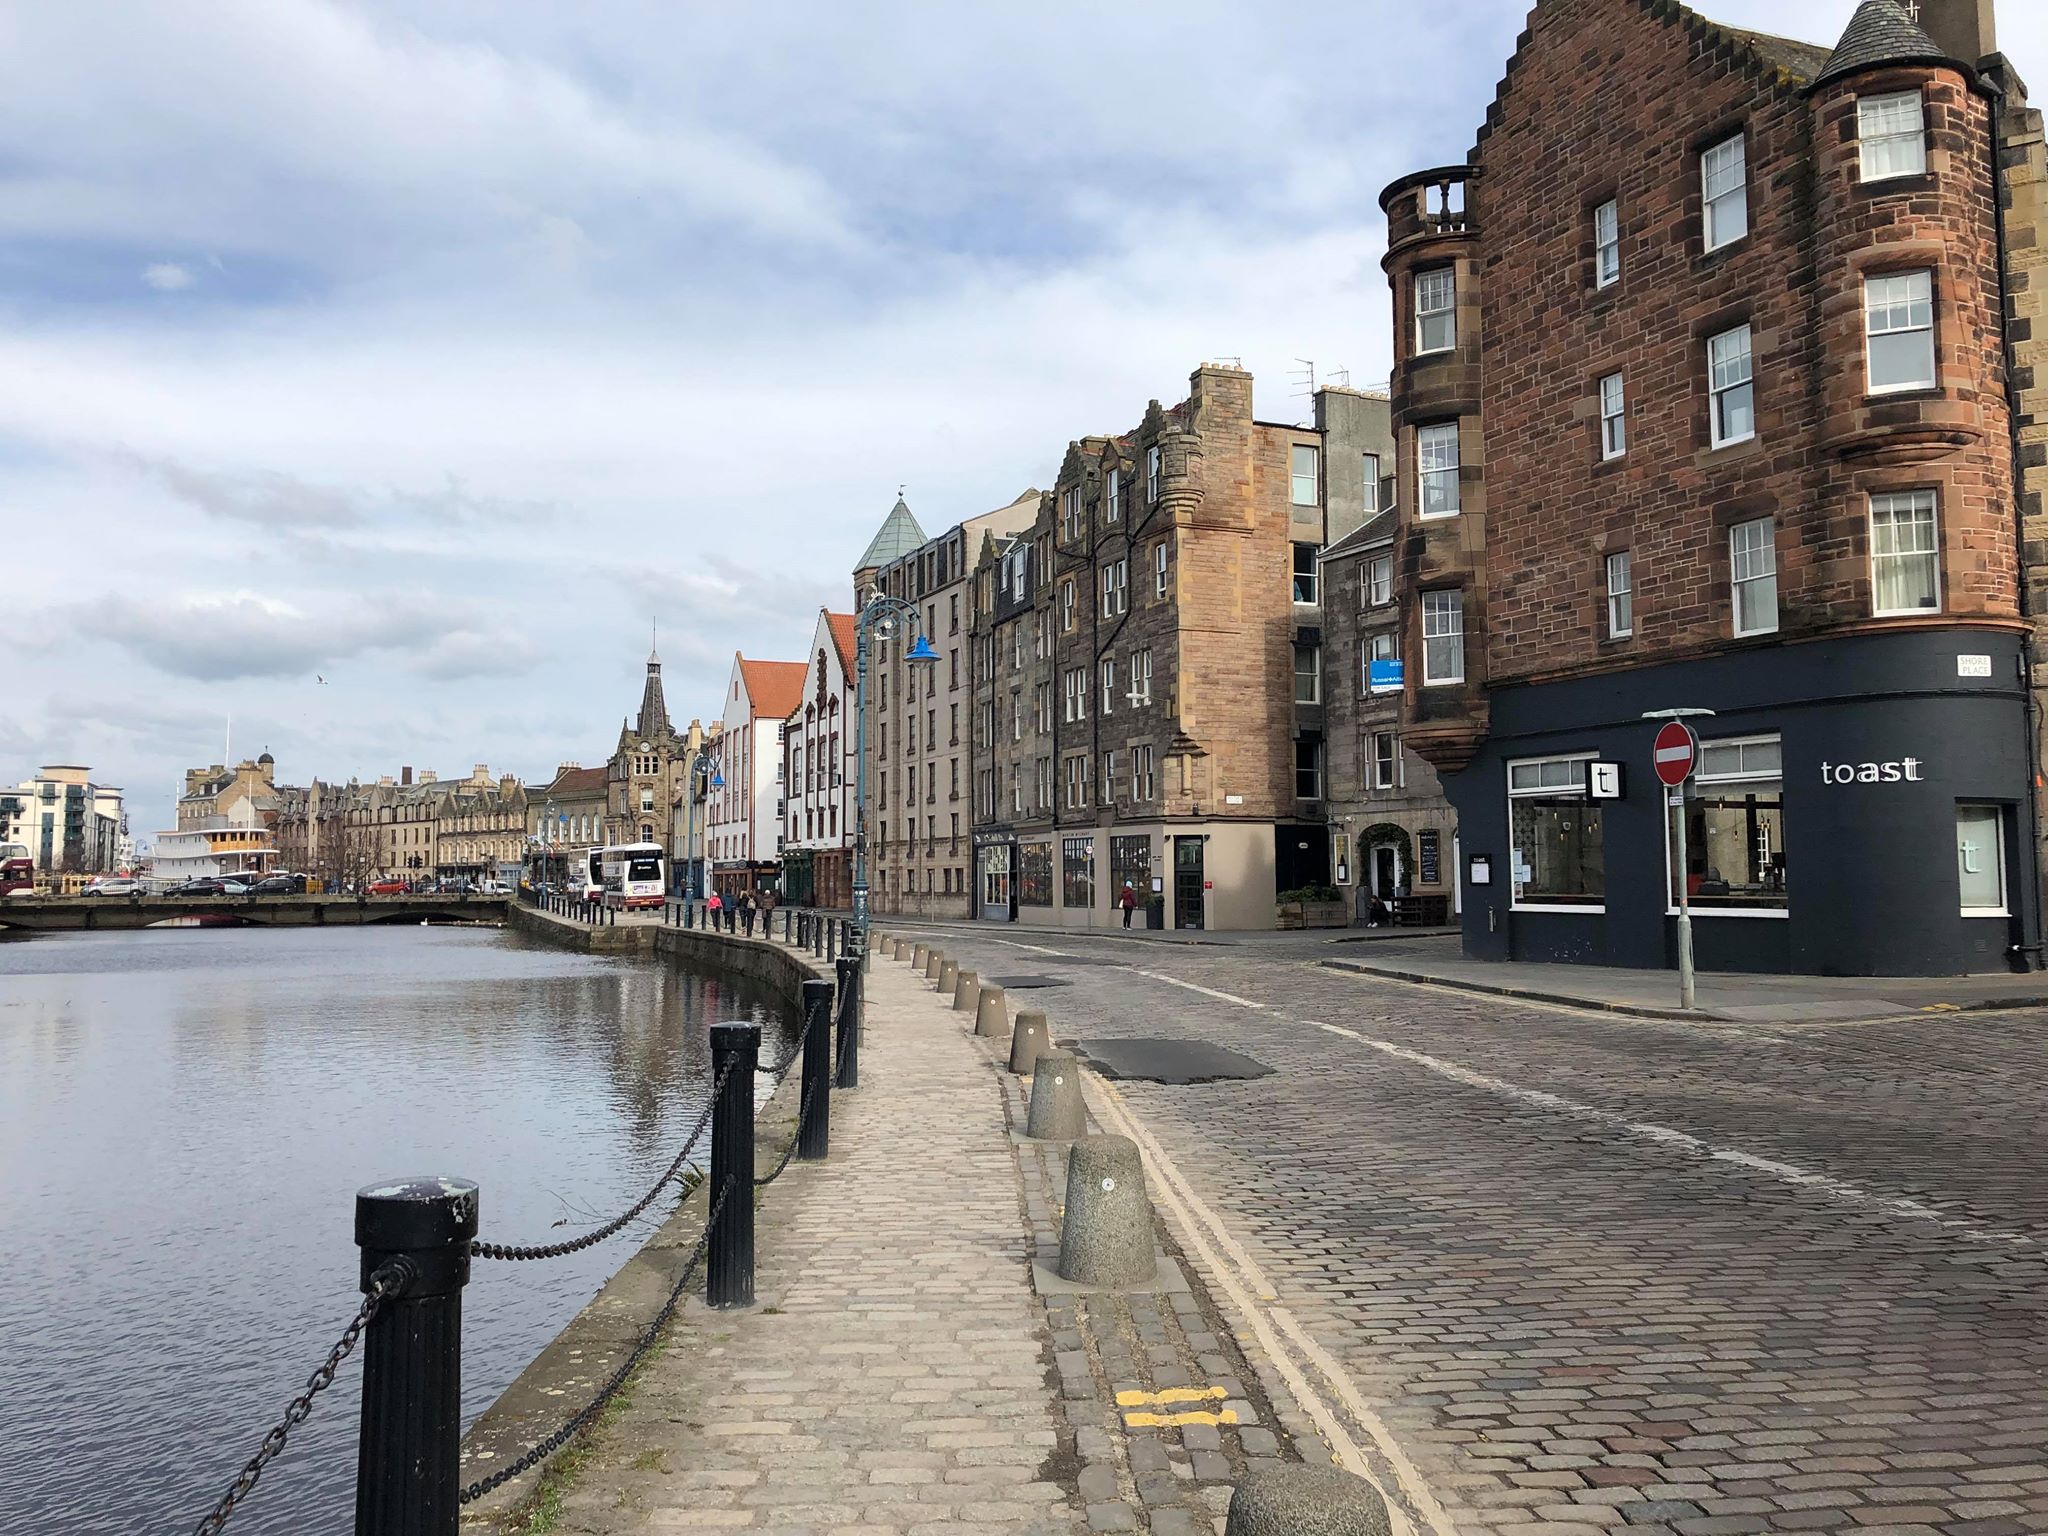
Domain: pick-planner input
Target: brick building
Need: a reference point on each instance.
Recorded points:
(920, 767)
(1137, 653)
(1701, 401)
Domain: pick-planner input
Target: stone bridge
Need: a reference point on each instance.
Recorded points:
(65, 913)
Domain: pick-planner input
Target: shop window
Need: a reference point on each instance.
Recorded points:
(1734, 828)
(1077, 873)
(1301, 475)
(1891, 135)
(1753, 576)
(1724, 193)
(1436, 310)
(1898, 325)
(995, 876)
(1905, 563)
(1980, 860)
(1607, 244)
(1436, 469)
(1621, 597)
(1558, 854)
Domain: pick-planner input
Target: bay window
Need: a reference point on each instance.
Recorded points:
(1891, 135)
(1898, 329)
(1436, 310)
(1905, 568)
(1443, 637)
(1436, 469)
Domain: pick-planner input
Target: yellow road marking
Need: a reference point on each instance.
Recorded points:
(1169, 1395)
(1170, 1420)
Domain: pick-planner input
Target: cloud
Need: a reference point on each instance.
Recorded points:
(167, 276)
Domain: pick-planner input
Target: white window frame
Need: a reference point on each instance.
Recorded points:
(1721, 211)
(1613, 417)
(1621, 596)
(1912, 502)
(1314, 574)
(1436, 304)
(1701, 775)
(1378, 586)
(1893, 305)
(1070, 513)
(1075, 688)
(1141, 773)
(1077, 783)
(1159, 569)
(1388, 771)
(1997, 815)
(1113, 497)
(1068, 604)
(1371, 505)
(1115, 589)
(1141, 676)
(1737, 580)
(1314, 676)
(1321, 769)
(1607, 244)
(1304, 490)
(1540, 791)
(1430, 441)
(1108, 685)
(1153, 471)
(1723, 380)
(1872, 132)
(1455, 607)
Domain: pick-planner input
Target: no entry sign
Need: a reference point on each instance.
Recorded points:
(1676, 752)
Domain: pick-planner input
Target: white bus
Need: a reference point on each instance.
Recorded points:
(633, 875)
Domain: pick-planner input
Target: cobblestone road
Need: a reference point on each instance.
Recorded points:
(1594, 1273)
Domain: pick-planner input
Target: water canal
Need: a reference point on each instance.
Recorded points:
(185, 1116)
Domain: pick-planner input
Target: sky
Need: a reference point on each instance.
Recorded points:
(375, 375)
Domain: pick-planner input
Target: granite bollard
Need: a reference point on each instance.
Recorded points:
(934, 962)
(990, 1014)
(1058, 1112)
(918, 954)
(966, 991)
(1106, 1234)
(1028, 1041)
(949, 977)
(1301, 1499)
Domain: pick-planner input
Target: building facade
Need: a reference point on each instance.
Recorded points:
(1393, 836)
(647, 773)
(818, 772)
(744, 813)
(1701, 400)
(920, 752)
(69, 824)
(1136, 657)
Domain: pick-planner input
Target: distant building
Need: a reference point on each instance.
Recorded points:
(244, 795)
(69, 824)
(744, 816)
(817, 772)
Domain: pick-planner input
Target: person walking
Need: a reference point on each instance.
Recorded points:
(1128, 901)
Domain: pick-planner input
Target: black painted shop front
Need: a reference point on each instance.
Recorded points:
(1864, 803)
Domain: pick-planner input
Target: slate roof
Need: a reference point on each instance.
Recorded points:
(1802, 61)
(579, 781)
(898, 536)
(1377, 529)
(1881, 32)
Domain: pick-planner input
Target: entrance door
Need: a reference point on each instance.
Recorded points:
(1187, 882)
(1383, 871)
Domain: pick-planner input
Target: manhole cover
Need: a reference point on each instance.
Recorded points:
(1015, 983)
(1177, 1062)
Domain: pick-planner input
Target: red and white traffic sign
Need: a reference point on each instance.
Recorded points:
(1676, 752)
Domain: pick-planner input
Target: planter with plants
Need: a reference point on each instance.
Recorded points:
(1312, 906)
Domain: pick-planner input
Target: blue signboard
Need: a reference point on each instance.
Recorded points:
(1384, 677)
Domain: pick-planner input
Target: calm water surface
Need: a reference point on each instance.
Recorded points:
(185, 1116)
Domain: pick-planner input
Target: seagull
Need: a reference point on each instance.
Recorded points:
(319, 679)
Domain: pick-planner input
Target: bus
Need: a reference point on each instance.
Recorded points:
(17, 871)
(633, 875)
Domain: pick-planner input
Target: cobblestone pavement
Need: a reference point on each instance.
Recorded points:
(1575, 1273)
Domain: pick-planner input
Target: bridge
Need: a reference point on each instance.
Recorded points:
(71, 913)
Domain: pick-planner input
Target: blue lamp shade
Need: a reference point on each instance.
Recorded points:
(922, 651)
(717, 779)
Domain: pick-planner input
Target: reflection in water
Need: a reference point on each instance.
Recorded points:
(185, 1116)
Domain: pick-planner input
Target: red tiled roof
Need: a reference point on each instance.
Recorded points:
(775, 687)
(842, 637)
(579, 781)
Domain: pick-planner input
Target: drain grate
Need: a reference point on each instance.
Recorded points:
(1174, 1062)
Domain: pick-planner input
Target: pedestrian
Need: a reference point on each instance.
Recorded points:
(1128, 900)
(715, 904)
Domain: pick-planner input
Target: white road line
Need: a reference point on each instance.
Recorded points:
(1175, 981)
(1036, 949)
(1253, 1295)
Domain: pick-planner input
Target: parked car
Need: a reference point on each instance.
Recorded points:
(280, 885)
(203, 885)
(112, 885)
(234, 885)
(492, 888)
(385, 888)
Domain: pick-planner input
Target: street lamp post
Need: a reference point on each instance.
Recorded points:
(877, 615)
(704, 763)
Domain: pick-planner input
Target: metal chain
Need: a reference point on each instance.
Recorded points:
(386, 1280)
(590, 1239)
(803, 1113)
(554, 1442)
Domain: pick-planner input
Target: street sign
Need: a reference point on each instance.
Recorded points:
(1675, 753)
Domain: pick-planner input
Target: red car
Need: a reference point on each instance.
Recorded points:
(385, 888)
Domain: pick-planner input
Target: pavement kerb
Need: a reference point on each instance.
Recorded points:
(1523, 994)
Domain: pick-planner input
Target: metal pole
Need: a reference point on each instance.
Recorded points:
(1685, 977)
(729, 1255)
(814, 1130)
(860, 769)
(410, 1448)
(849, 1023)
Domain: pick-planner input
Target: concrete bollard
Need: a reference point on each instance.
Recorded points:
(1302, 1499)
(1028, 1041)
(932, 961)
(949, 977)
(1058, 1112)
(918, 954)
(966, 991)
(990, 1014)
(1106, 1234)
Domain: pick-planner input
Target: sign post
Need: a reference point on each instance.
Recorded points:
(1675, 755)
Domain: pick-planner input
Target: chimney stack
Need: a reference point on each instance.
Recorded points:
(1964, 28)
(405, 775)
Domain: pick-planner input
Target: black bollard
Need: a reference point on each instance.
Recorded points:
(817, 935)
(848, 1024)
(831, 940)
(410, 1449)
(729, 1255)
(814, 1132)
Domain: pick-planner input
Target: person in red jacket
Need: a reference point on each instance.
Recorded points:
(1128, 900)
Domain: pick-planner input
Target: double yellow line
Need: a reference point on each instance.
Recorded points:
(1136, 1406)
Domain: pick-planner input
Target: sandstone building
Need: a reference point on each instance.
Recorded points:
(1712, 391)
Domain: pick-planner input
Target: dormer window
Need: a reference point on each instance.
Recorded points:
(1152, 473)
(1891, 135)
(1113, 496)
(1436, 310)
(1724, 193)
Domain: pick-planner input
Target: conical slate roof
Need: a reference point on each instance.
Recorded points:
(899, 535)
(653, 708)
(1881, 32)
